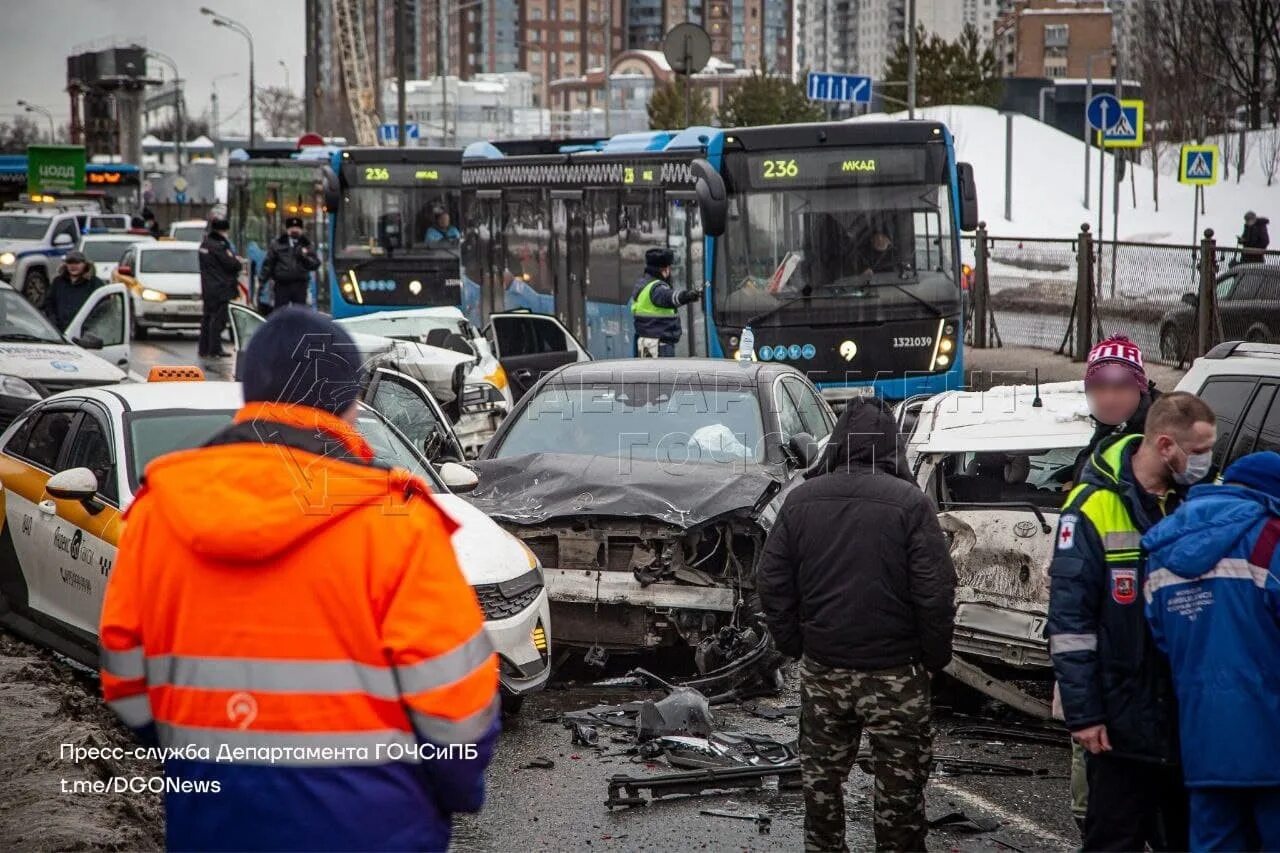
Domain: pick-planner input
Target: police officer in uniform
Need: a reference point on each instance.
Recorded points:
(1117, 697)
(219, 284)
(653, 306)
(289, 264)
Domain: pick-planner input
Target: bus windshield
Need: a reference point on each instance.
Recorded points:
(802, 250)
(376, 221)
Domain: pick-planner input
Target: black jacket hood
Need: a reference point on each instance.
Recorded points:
(866, 436)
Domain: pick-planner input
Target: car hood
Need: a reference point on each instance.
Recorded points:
(486, 553)
(172, 283)
(534, 488)
(18, 246)
(61, 363)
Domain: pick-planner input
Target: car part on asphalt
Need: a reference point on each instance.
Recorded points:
(625, 790)
(684, 711)
(1043, 735)
(720, 749)
(585, 735)
(977, 678)
(762, 821)
(962, 821)
(539, 764)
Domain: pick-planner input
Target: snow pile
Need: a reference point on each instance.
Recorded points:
(1048, 184)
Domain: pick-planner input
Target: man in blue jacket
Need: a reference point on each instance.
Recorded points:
(1213, 601)
(1117, 698)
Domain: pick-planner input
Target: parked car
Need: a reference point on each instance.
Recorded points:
(188, 230)
(1248, 298)
(646, 488)
(72, 464)
(33, 239)
(104, 250)
(163, 278)
(1239, 380)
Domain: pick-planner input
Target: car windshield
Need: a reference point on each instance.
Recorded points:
(20, 322)
(191, 233)
(672, 422)
(105, 251)
(169, 261)
(391, 220)
(153, 434)
(1035, 477)
(19, 227)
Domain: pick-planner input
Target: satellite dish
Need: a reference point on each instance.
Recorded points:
(687, 48)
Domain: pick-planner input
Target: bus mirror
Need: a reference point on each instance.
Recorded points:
(968, 197)
(332, 190)
(713, 200)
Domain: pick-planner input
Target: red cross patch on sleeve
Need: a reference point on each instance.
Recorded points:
(1066, 532)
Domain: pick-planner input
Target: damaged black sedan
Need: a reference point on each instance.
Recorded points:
(646, 489)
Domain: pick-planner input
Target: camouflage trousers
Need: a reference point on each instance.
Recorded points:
(893, 707)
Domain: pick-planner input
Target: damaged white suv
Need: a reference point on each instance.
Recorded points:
(998, 464)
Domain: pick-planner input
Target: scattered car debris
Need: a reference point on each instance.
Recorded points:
(539, 764)
(766, 712)
(964, 822)
(762, 821)
(684, 711)
(977, 678)
(721, 749)
(949, 765)
(585, 735)
(1042, 735)
(625, 790)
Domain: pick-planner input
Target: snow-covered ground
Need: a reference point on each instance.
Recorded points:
(1048, 184)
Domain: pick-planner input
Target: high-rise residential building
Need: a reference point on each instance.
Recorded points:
(565, 38)
(1056, 38)
(746, 33)
(882, 25)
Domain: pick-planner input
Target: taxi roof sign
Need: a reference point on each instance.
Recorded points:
(1198, 165)
(175, 373)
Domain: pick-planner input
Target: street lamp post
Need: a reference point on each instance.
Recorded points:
(36, 108)
(181, 134)
(237, 27)
(1088, 96)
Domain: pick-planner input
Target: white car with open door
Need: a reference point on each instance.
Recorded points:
(72, 464)
(529, 346)
(37, 360)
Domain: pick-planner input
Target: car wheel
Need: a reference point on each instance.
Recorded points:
(511, 703)
(36, 287)
(1172, 348)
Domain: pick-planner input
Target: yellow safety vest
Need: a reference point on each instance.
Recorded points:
(643, 306)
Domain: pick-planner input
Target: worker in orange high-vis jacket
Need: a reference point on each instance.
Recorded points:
(290, 622)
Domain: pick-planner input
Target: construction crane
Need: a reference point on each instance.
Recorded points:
(356, 74)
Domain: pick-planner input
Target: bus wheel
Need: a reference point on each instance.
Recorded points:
(36, 287)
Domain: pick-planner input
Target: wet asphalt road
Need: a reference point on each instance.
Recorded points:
(563, 807)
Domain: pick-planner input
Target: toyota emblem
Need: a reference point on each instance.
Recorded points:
(1024, 530)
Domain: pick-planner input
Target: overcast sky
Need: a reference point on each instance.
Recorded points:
(38, 35)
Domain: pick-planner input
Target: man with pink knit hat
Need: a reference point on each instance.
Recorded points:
(1118, 391)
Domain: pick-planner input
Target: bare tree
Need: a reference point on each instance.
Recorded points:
(1240, 153)
(1269, 152)
(281, 109)
(15, 137)
(1178, 92)
(1242, 36)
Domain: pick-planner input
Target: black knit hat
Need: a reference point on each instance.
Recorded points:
(302, 358)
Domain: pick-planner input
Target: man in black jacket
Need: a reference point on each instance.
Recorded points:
(70, 289)
(856, 581)
(219, 284)
(289, 264)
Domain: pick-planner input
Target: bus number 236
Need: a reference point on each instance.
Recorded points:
(781, 168)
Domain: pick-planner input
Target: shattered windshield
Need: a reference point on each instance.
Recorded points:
(641, 421)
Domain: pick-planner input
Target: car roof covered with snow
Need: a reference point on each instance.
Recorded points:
(1004, 419)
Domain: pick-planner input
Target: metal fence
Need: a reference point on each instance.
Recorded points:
(1067, 294)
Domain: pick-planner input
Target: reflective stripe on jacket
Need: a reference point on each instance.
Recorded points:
(1107, 666)
(281, 603)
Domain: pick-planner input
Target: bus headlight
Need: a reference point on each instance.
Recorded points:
(150, 295)
(942, 360)
(946, 345)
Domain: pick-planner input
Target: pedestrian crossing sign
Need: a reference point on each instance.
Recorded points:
(1126, 132)
(1199, 165)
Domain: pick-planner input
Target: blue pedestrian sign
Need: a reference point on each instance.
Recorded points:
(842, 88)
(387, 133)
(1198, 165)
(1103, 112)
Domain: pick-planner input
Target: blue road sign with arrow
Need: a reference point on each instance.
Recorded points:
(843, 88)
(1103, 112)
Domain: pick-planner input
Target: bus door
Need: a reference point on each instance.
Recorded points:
(684, 238)
(482, 256)
(569, 254)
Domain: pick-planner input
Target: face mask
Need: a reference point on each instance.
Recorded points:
(1198, 465)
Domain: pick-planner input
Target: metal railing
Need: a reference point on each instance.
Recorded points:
(1066, 294)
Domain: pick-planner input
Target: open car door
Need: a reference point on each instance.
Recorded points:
(102, 324)
(244, 323)
(531, 345)
(409, 407)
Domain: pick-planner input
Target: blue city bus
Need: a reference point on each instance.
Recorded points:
(394, 234)
(117, 187)
(562, 229)
(837, 245)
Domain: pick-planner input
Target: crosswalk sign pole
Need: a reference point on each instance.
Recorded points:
(1102, 195)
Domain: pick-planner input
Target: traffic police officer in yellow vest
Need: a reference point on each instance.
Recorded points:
(654, 304)
(1117, 695)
